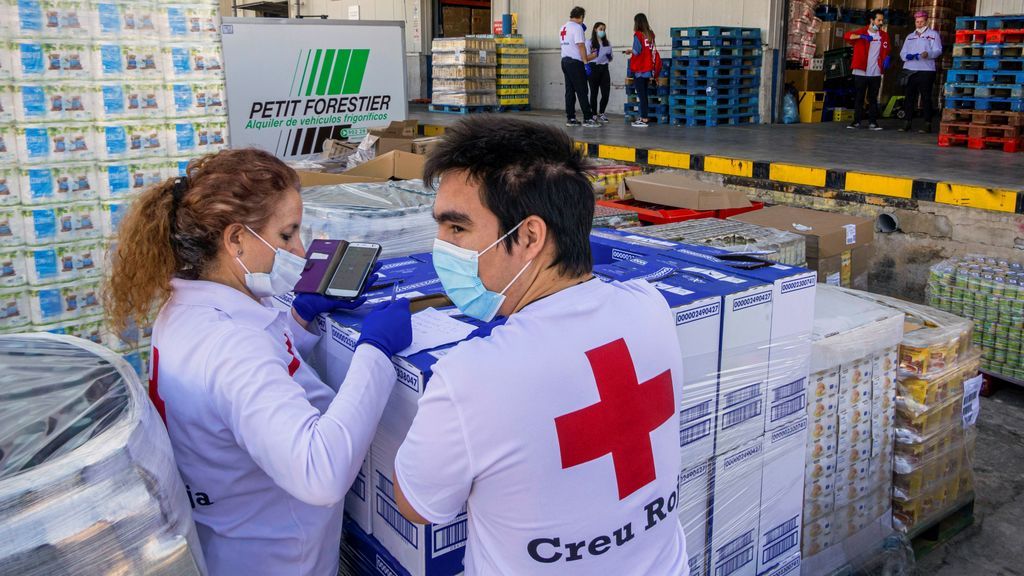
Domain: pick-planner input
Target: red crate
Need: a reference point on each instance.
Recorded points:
(723, 214)
(1011, 145)
(657, 213)
(970, 36)
(1003, 36)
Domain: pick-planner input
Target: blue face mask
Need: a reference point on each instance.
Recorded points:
(600, 33)
(458, 269)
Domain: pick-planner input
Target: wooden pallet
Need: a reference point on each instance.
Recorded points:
(454, 109)
(942, 527)
(987, 117)
(994, 131)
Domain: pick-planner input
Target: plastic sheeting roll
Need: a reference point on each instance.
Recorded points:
(88, 482)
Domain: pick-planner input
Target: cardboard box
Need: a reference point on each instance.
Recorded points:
(358, 499)
(819, 497)
(827, 233)
(391, 166)
(832, 36)
(782, 494)
(398, 135)
(817, 535)
(806, 80)
(848, 269)
(694, 486)
(822, 437)
(855, 383)
(823, 394)
(790, 566)
(682, 191)
(456, 21)
(425, 145)
(481, 21)
(737, 504)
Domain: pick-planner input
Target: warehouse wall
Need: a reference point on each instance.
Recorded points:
(539, 22)
(417, 17)
(990, 7)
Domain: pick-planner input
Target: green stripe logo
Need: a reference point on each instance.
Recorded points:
(331, 72)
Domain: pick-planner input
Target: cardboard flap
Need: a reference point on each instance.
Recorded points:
(307, 179)
(827, 233)
(683, 191)
(395, 165)
(398, 129)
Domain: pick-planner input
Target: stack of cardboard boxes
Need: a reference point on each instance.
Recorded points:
(464, 73)
(803, 28)
(852, 388)
(513, 72)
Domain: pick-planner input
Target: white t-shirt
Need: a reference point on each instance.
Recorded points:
(873, 51)
(560, 432)
(571, 35)
(267, 451)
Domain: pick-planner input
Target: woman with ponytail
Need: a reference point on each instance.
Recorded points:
(266, 449)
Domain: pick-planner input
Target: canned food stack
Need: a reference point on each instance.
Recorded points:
(513, 73)
(935, 409)
(776, 245)
(98, 101)
(88, 482)
(984, 93)
(607, 177)
(465, 74)
(989, 291)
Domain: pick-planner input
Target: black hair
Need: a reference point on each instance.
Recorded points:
(577, 12)
(594, 40)
(875, 13)
(524, 169)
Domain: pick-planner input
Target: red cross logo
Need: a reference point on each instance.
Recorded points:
(293, 366)
(154, 393)
(622, 422)
(563, 33)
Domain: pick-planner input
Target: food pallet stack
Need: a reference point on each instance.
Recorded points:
(657, 95)
(98, 101)
(985, 89)
(990, 292)
(851, 401)
(465, 75)
(513, 73)
(804, 26)
(716, 76)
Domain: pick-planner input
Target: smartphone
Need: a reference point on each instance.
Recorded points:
(353, 270)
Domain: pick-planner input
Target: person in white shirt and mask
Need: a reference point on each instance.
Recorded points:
(267, 451)
(559, 430)
(921, 50)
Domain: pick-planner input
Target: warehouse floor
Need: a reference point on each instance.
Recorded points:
(992, 545)
(825, 145)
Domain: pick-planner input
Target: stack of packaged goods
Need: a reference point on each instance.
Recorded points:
(513, 73)
(397, 214)
(936, 406)
(984, 92)
(852, 393)
(606, 178)
(801, 46)
(776, 245)
(88, 482)
(990, 292)
(102, 100)
(716, 76)
(464, 74)
(608, 217)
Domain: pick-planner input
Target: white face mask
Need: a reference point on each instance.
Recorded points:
(283, 276)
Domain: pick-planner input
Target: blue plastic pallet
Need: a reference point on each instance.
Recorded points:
(969, 90)
(716, 91)
(717, 62)
(985, 76)
(1004, 50)
(712, 101)
(685, 84)
(1000, 104)
(998, 63)
(717, 42)
(1015, 22)
(722, 31)
(453, 109)
(514, 108)
(716, 51)
(712, 111)
(659, 119)
(685, 75)
(716, 120)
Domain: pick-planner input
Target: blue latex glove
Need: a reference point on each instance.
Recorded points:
(867, 37)
(485, 330)
(388, 327)
(309, 306)
(885, 64)
(584, 26)
(913, 57)
(587, 68)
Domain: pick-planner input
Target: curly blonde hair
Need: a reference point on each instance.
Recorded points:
(164, 237)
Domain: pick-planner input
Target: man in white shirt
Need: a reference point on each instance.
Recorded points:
(919, 53)
(558, 431)
(574, 69)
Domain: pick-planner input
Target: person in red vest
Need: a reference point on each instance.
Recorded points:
(645, 62)
(870, 61)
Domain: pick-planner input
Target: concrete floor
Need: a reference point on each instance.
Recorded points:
(824, 145)
(992, 546)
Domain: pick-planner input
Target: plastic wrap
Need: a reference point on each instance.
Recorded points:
(464, 71)
(397, 215)
(608, 217)
(88, 483)
(990, 292)
(777, 245)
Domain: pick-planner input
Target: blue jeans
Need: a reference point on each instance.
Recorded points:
(641, 93)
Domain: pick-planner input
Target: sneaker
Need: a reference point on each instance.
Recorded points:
(854, 126)
(602, 118)
(592, 123)
(874, 127)
(639, 124)
(905, 128)
(572, 122)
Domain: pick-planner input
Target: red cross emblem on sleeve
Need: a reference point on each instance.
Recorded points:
(563, 33)
(621, 423)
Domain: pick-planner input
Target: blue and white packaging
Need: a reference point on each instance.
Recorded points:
(58, 20)
(52, 60)
(61, 263)
(8, 144)
(53, 101)
(123, 179)
(127, 60)
(216, 135)
(193, 98)
(359, 499)
(735, 510)
(782, 495)
(694, 505)
(15, 310)
(58, 183)
(111, 214)
(184, 137)
(189, 22)
(12, 226)
(45, 225)
(64, 302)
(131, 139)
(361, 553)
(193, 61)
(13, 271)
(54, 143)
(10, 185)
(120, 99)
(125, 20)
